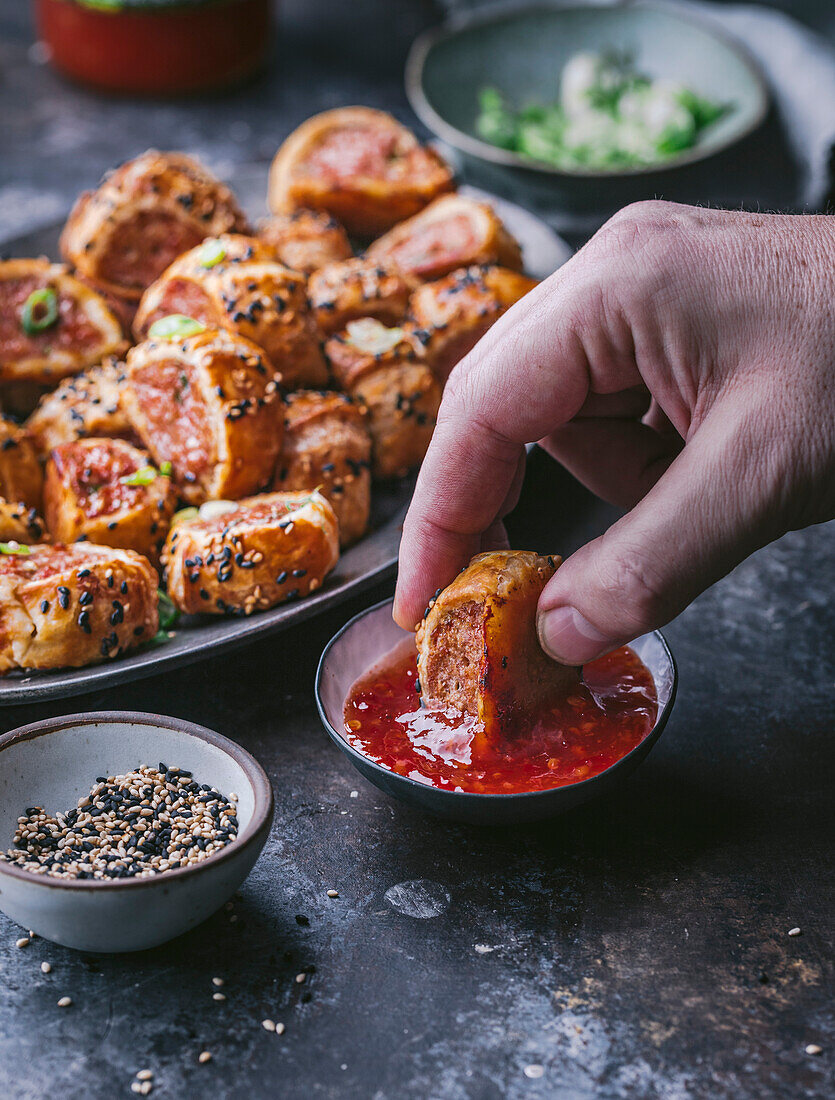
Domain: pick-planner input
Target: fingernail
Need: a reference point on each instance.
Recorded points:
(569, 637)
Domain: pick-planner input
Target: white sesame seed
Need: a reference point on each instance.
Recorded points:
(813, 1048)
(65, 1002)
(333, 893)
(300, 978)
(24, 941)
(794, 931)
(268, 1025)
(145, 1088)
(534, 1071)
(204, 1056)
(145, 1075)
(217, 981)
(280, 1029)
(355, 794)
(46, 967)
(233, 797)
(218, 996)
(136, 1086)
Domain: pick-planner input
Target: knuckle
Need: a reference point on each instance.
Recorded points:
(647, 225)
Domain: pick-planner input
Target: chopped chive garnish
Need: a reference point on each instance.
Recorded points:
(174, 326)
(185, 515)
(40, 310)
(212, 253)
(168, 613)
(143, 476)
(14, 548)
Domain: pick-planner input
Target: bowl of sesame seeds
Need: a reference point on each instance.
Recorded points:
(121, 830)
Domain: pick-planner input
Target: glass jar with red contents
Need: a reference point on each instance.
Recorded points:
(156, 47)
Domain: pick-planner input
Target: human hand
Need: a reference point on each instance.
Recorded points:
(682, 366)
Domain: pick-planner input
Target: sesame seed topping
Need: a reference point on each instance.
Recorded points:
(217, 981)
(813, 1048)
(268, 1025)
(794, 931)
(333, 893)
(46, 967)
(139, 824)
(24, 941)
(204, 1056)
(65, 1002)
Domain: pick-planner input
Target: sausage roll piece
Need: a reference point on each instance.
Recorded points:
(105, 491)
(18, 523)
(451, 232)
(209, 405)
(357, 288)
(51, 324)
(386, 369)
(264, 551)
(454, 313)
(478, 649)
(305, 240)
(73, 605)
(88, 404)
(233, 283)
(360, 165)
(143, 215)
(21, 477)
(327, 445)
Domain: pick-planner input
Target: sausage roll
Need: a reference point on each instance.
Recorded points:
(209, 405)
(18, 523)
(232, 282)
(88, 404)
(73, 605)
(21, 477)
(360, 165)
(478, 649)
(264, 551)
(453, 313)
(327, 445)
(106, 491)
(305, 240)
(453, 231)
(51, 324)
(386, 369)
(143, 215)
(342, 292)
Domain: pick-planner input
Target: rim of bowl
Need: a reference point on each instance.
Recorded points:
(656, 731)
(262, 809)
(474, 146)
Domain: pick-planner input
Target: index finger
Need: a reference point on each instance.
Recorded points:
(527, 376)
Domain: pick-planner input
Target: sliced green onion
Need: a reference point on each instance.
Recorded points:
(168, 613)
(14, 548)
(212, 253)
(174, 326)
(145, 475)
(40, 311)
(166, 469)
(185, 515)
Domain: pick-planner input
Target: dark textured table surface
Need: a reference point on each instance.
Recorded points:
(637, 948)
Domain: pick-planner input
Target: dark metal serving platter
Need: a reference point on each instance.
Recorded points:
(358, 568)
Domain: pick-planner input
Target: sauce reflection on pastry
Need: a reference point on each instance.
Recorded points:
(476, 705)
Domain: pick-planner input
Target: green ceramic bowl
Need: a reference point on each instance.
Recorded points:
(522, 51)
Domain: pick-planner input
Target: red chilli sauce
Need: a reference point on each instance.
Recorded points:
(606, 716)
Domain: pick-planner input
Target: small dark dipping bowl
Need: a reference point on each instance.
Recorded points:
(369, 636)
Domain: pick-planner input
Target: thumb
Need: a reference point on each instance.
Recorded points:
(715, 504)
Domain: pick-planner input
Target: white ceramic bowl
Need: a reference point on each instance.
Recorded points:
(55, 762)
